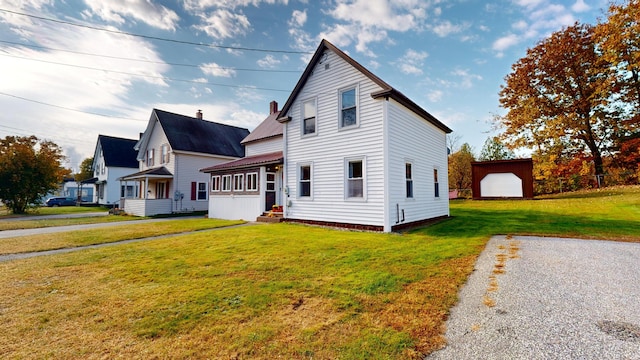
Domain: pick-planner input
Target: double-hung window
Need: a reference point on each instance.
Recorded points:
(355, 178)
(304, 183)
(215, 183)
(164, 154)
(238, 182)
(226, 182)
(201, 191)
(348, 108)
(309, 117)
(150, 157)
(252, 181)
(408, 175)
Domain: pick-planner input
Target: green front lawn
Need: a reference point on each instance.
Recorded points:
(277, 291)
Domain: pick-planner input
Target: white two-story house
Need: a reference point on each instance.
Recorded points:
(356, 152)
(113, 158)
(170, 153)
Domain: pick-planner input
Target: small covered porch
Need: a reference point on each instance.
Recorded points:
(154, 197)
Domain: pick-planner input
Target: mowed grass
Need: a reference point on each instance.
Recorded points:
(28, 223)
(44, 210)
(276, 291)
(109, 234)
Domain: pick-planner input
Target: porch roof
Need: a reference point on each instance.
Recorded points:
(155, 173)
(249, 161)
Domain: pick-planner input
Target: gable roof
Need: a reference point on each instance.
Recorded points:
(268, 128)
(118, 152)
(387, 90)
(186, 133)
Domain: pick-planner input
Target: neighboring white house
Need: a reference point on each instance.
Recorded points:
(248, 187)
(170, 153)
(113, 158)
(355, 153)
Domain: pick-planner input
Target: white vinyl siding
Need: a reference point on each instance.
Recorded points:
(264, 146)
(328, 148)
(410, 135)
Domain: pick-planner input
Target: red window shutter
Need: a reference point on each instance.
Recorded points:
(193, 190)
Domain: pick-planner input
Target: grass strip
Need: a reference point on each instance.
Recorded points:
(70, 239)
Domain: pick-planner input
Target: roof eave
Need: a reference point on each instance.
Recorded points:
(409, 104)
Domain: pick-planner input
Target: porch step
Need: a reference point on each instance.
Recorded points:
(270, 217)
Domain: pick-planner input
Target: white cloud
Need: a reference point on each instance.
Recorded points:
(231, 4)
(466, 78)
(446, 28)
(221, 24)
(435, 95)
(152, 14)
(367, 21)
(505, 42)
(412, 61)
(580, 6)
(268, 62)
(298, 18)
(214, 69)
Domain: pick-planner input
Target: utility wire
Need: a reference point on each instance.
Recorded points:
(156, 37)
(67, 108)
(143, 60)
(142, 75)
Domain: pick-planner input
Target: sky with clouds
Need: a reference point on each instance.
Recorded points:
(73, 69)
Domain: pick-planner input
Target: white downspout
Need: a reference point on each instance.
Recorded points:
(386, 208)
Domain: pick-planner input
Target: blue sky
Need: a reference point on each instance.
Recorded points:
(67, 81)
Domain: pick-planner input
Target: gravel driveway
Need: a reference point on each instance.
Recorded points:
(548, 298)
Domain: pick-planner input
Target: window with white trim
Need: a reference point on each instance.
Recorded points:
(252, 181)
(348, 108)
(309, 117)
(215, 183)
(226, 182)
(201, 191)
(238, 182)
(164, 154)
(408, 176)
(355, 178)
(150, 157)
(304, 180)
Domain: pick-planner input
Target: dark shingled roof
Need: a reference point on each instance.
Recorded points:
(118, 152)
(186, 133)
(249, 161)
(160, 172)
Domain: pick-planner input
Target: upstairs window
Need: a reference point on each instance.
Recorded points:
(164, 154)
(409, 179)
(348, 108)
(309, 117)
(150, 157)
(355, 179)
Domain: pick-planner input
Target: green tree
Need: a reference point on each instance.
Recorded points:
(494, 149)
(86, 170)
(460, 167)
(29, 170)
(561, 93)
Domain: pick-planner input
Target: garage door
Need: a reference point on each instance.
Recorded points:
(501, 185)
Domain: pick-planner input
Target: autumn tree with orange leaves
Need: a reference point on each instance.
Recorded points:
(561, 93)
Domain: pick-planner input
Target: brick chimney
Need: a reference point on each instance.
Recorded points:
(199, 115)
(273, 107)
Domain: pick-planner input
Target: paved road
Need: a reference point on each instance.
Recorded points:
(557, 299)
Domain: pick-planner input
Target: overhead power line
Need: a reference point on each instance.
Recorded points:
(67, 108)
(156, 37)
(147, 76)
(143, 60)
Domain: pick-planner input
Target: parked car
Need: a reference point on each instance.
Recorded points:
(60, 201)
